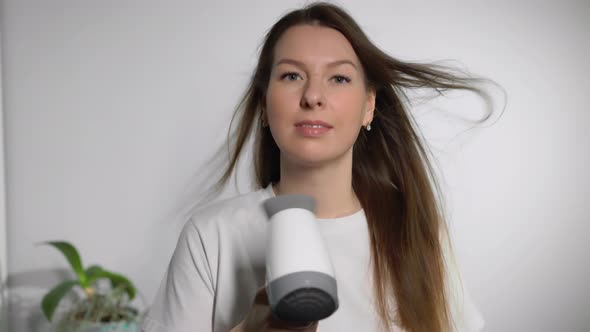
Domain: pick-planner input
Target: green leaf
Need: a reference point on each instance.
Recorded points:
(52, 299)
(71, 254)
(93, 273)
(96, 272)
(118, 280)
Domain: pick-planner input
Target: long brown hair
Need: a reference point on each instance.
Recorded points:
(392, 175)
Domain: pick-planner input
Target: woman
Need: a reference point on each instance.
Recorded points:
(327, 110)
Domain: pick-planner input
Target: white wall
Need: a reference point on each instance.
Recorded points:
(3, 246)
(111, 106)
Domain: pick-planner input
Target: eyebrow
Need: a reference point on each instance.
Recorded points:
(301, 64)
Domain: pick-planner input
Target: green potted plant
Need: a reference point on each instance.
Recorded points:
(103, 298)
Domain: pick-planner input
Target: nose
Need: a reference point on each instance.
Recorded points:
(313, 96)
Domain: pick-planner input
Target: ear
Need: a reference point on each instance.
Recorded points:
(370, 107)
(263, 108)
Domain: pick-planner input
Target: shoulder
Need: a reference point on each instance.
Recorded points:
(222, 231)
(230, 210)
(229, 216)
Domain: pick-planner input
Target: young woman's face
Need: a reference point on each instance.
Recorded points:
(317, 99)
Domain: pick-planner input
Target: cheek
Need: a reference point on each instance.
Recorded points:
(350, 107)
(280, 103)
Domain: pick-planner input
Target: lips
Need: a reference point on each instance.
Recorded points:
(312, 128)
(313, 124)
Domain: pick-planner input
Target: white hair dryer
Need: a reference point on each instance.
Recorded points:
(300, 282)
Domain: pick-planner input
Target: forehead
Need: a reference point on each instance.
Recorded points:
(310, 43)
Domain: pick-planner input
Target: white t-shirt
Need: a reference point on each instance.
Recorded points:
(219, 263)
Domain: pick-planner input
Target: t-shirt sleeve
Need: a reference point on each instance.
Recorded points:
(184, 301)
(464, 313)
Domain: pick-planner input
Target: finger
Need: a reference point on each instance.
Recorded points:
(276, 323)
(259, 313)
(314, 327)
(260, 297)
(311, 327)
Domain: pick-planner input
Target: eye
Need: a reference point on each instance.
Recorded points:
(340, 79)
(290, 76)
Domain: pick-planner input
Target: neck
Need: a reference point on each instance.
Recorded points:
(329, 184)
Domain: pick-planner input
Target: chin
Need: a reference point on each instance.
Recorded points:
(312, 158)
